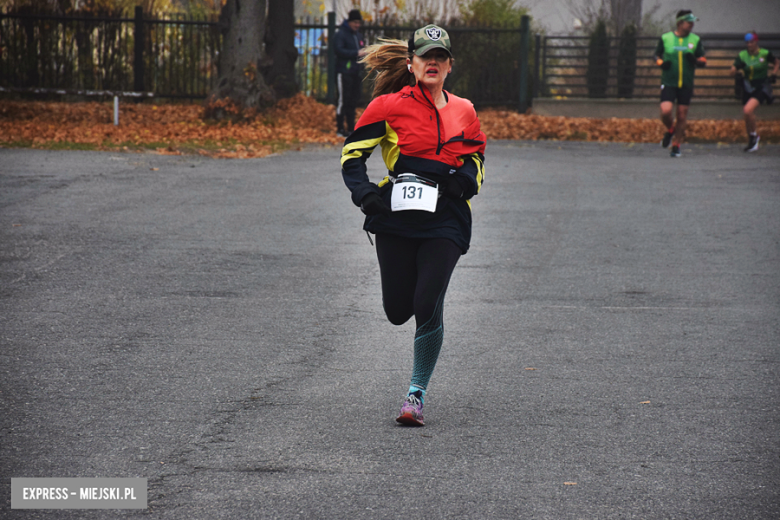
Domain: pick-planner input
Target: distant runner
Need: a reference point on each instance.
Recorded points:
(752, 65)
(678, 53)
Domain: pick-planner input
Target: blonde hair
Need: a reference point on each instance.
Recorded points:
(387, 60)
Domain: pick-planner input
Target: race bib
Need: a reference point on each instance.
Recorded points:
(413, 192)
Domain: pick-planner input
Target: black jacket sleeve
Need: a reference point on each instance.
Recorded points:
(471, 174)
(659, 49)
(345, 47)
(370, 132)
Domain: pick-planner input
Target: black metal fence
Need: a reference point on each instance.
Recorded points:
(311, 40)
(487, 61)
(563, 65)
(178, 58)
(172, 58)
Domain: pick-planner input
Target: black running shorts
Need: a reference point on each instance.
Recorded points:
(759, 94)
(682, 95)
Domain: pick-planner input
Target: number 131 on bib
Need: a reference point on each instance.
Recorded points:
(413, 192)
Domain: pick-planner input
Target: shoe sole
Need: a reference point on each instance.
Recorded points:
(409, 420)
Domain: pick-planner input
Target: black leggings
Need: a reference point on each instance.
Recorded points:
(415, 273)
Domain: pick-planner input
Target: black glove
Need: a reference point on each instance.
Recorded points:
(773, 78)
(457, 186)
(372, 204)
(666, 65)
(451, 188)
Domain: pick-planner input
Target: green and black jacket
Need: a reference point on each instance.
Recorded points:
(680, 54)
(755, 66)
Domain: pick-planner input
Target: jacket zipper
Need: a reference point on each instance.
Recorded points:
(439, 142)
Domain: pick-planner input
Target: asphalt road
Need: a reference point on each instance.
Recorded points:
(612, 341)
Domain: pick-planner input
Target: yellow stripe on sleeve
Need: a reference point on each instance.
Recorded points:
(481, 175)
(480, 170)
(355, 150)
(390, 148)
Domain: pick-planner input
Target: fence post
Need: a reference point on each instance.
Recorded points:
(331, 58)
(544, 89)
(537, 64)
(523, 106)
(138, 60)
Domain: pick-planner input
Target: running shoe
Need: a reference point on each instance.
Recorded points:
(667, 139)
(752, 144)
(411, 410)
(675, 151)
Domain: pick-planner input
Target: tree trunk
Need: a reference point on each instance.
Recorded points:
(241, 85)
(280, 48)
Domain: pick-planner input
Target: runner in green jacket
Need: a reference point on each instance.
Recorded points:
(752, 65)
(678, 53)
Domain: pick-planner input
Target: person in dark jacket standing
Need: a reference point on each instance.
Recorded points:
(420, 212)
(349, 48)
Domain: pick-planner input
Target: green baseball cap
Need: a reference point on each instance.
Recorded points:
(430, 37)
(687, 18)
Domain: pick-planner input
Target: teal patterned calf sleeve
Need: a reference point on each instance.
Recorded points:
(426, 352)
(427, 345)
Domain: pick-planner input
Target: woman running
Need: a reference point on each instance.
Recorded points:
(420, 213)
(752, 65)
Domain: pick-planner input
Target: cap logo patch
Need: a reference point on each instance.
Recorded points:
(434, 33)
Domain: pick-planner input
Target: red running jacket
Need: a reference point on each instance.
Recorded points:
(415, 138)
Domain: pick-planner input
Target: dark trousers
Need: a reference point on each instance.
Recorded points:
(415, 273)
(348, 87)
